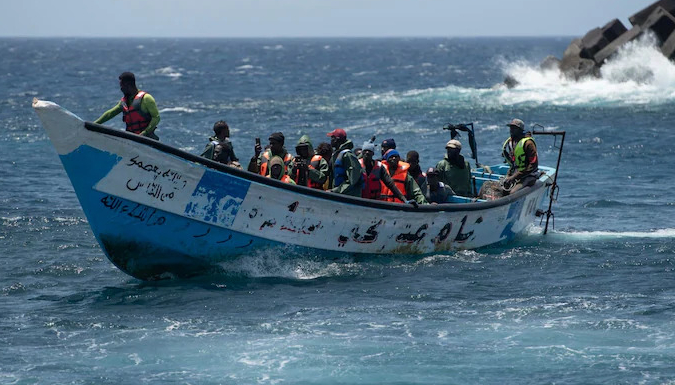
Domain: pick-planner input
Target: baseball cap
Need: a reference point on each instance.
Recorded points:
(338, 132)
(454, 143)
(391, 153)
(517, 123)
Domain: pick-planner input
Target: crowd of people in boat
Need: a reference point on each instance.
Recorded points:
(338, 166)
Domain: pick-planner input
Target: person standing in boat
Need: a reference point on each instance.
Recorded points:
(259, 163)
(219, 147)
(520, 152)
(309, 169)
(376, 175)
(347, 174)
(454, 170)
(413, 159)
(276, 165)
(138, 107)
(404, 182)
(436, 191)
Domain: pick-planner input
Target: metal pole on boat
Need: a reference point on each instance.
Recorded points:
(554, 187)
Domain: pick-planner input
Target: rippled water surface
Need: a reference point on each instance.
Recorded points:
(591, 302)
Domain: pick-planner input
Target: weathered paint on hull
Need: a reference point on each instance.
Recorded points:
(154, 212)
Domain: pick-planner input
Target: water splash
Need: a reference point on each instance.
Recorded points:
(638, 75)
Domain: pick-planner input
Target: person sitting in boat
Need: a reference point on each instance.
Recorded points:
(436, 191)
(138, 108)
(376, 175)
(520, 152)
(347, 174)
(309, 169)
(454, 171)
(277, 166)
(404, 182)
(387, 144)
(259, 163)
(326, 151)
(413, 159)
(219, 147)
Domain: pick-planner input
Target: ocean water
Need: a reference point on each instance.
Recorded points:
(592, 302)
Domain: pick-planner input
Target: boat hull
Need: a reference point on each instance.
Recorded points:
(158, 212)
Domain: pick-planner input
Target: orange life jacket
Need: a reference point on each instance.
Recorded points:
(284, 178)
(314, 165)
(136, 120)
(399, 179)
(266, 159)
(372, 186)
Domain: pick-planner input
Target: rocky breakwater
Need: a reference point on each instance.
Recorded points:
(586, 55)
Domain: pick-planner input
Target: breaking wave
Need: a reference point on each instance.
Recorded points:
(638, 75)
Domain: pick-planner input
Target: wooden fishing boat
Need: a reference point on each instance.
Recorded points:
(161, 212)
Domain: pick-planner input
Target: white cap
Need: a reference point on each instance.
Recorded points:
(454, 143)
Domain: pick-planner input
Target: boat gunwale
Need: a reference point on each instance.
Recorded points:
(244, 174)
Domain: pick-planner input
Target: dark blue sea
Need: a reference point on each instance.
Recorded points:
(592, 302)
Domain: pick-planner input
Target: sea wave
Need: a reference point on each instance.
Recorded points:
(178, 109)
(594, 235)
(638, 75)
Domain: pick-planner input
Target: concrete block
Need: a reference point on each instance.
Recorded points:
(614, 46)
(668, 47)
(592, 42)
(550, 62)
(661, 22)
(642, 16)
(612, 30)
(571, 55)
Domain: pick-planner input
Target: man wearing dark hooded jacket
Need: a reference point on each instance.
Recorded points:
(308, 169)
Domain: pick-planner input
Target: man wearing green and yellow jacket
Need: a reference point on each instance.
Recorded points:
(138, 107)
(520, 152)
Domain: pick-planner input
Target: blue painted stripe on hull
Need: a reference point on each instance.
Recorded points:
(143, 241)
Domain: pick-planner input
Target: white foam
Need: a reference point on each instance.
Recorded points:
(639, 74)
(178, 109)
(168, 71)
(594, 235)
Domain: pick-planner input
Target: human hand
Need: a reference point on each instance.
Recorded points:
(412, 202)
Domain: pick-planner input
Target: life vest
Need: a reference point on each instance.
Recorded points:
(339, 171)
(285, 178)
(314, 165)
(288, 158)
(373, 186)
(399, 179)
(520, 158)
(133, 116)
(507, 152)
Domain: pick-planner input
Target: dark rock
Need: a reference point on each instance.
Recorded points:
(614, 46)
(510, 81)
(550, 62)
(642, 16)
(661, 22)
(612, 30)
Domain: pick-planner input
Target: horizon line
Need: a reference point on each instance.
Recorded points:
(286, 37)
